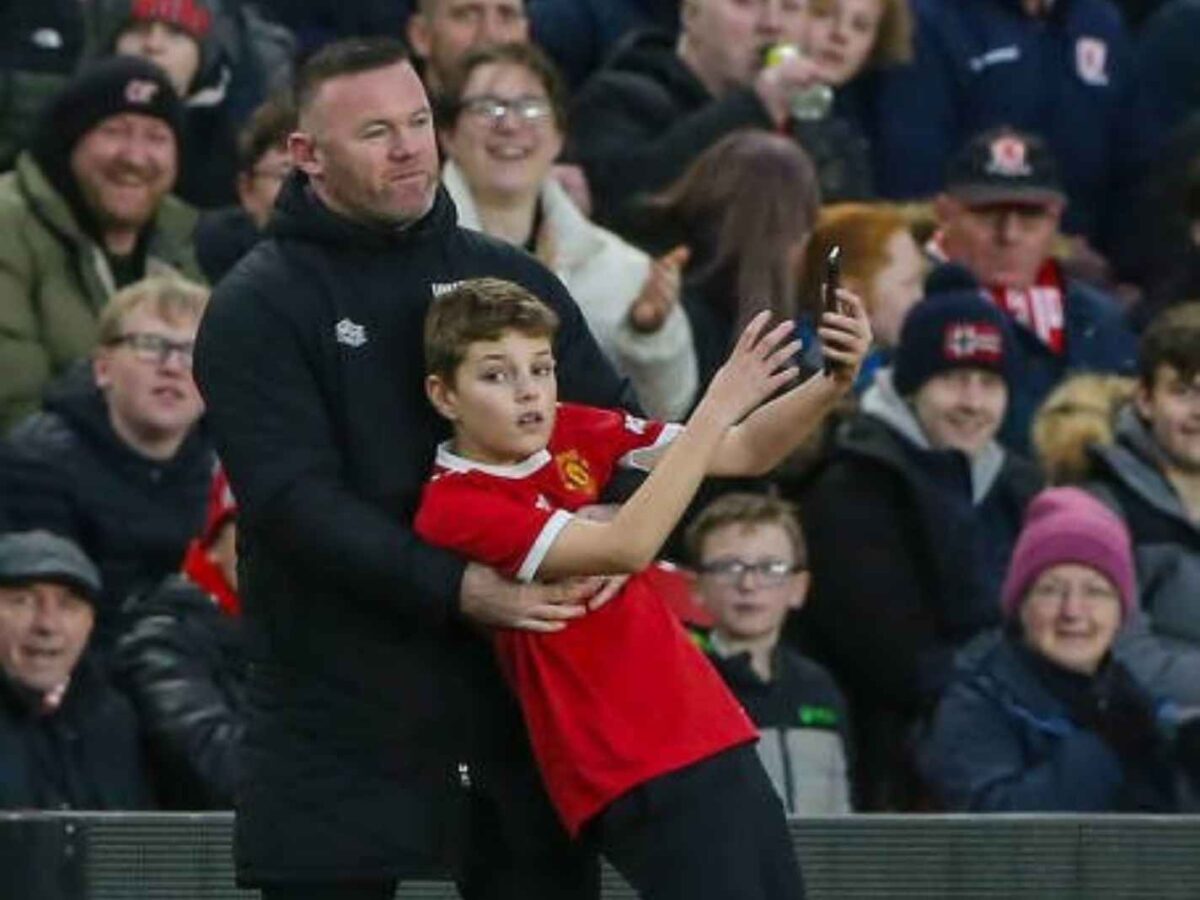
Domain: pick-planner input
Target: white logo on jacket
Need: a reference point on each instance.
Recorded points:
(1091, 61)
(350, 333)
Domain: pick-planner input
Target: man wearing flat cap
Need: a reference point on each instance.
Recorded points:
(86, 211)
(999, 216)
(68, 739)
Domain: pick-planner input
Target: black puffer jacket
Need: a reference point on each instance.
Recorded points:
(67, 471)
(84, 755)
(370, 702)
(183, 661)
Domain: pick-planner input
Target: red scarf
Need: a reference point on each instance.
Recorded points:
(1041, 308)
(201, 571)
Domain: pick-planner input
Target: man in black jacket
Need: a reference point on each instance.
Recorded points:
(380, 742)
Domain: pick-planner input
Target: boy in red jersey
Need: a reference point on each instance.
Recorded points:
(643, 749)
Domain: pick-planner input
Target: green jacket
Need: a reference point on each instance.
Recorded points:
(54, 280)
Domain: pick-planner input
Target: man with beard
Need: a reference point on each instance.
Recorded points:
(1151, 475)
(380, 741)
(85, 213)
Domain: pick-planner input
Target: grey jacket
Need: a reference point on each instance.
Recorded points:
(1161, 646)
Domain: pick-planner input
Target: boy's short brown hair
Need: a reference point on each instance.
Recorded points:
(170, 297)
(480, 309)
(745, 509)
(1171, 339)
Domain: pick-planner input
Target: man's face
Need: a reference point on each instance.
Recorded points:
(502, 401)
(1171, 406)
(508, 157)
(258, 188)
(147, 384)
(442, 34)
(961, 409)
(725, 39)
(124, 167)
(43, 629)
(1003, 244)
(749, 602)
(168, 46)
(367, 143)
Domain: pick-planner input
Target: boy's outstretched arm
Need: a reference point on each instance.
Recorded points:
(766, 436)
(759, 365)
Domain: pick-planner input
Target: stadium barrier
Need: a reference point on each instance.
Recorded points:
(181, 856)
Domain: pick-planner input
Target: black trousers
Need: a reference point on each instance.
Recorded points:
(715, 830)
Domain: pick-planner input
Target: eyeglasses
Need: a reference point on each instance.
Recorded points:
(1054, 593)
(770, 572)
(493, 109)
(154, 349)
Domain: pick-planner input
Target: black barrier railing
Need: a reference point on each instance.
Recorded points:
(181, 856)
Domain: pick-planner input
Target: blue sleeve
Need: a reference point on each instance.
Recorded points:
(976, 759)
(918, 122)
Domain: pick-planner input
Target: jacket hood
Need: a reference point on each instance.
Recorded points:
(883, 402)
(300, 215)
(1135, 459)
(653, 54)
(76, 401)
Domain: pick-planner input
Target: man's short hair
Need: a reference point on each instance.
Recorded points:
(747, 510)
(169, 297)
(1171, 339)
(480, 309)
(527, 56)
(345, 57)
(267, 129)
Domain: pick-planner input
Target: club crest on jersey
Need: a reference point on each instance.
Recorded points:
(972, 342)
(575, 472)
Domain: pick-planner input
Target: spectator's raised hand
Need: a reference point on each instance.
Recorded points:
(660, 291)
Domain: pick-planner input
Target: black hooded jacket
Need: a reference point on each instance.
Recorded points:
(66, 470)
(370, 701)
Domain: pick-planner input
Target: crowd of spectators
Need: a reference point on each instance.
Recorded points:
(911, 616)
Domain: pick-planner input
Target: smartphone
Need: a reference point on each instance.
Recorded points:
(829, 288)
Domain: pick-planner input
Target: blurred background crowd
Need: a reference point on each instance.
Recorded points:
(978, 588)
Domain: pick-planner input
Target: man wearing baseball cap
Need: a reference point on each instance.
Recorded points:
(999, 216)
(914, 514)
(86, 212)
(68, 739)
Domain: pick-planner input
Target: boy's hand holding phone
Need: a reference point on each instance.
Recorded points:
(760, 364)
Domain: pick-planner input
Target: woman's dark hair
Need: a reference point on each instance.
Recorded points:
(750, 201)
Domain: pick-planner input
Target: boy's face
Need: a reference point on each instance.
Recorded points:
(502, 400)
(748, 600)
(1171, 406)
(962, 409)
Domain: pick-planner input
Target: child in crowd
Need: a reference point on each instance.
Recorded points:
(643, 750)
(749, 552)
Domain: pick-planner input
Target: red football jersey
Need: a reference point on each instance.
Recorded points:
(620, 695)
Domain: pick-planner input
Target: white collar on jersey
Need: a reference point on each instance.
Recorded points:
(447, 459)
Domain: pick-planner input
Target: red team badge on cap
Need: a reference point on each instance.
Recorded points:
(965, 342)
(1008, 157)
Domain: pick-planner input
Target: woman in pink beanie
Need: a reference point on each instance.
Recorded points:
(1046, 719)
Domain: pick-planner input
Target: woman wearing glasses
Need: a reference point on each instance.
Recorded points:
(1046, 720)
(502, 128)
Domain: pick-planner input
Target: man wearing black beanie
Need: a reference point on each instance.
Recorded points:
(85, 212)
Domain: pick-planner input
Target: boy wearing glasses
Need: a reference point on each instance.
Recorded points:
(750, 555)
(117, 462)
(644, 752)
